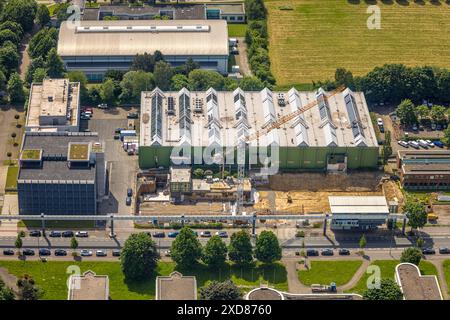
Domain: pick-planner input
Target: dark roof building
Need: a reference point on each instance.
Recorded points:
(61, 173)
(424, 169)
(416, 286)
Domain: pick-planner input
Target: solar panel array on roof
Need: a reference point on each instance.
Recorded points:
(268, 106)
(185, 115)
(354, 118)
(299, 123)
(240, 110)
(156, 116)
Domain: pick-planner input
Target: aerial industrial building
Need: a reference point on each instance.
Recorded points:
(95, 47)
(335, 134)
(61, 173)
(424, 169)
(54, 105)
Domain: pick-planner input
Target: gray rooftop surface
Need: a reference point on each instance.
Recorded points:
(56, 144)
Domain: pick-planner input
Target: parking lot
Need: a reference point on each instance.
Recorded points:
(122, 168)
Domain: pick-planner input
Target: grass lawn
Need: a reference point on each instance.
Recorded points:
(52, 276)
(325, 272)
(237, 30)
(11, 178)
(387, 269)
(317, 36)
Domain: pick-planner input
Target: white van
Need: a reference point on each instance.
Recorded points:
(414, 144)
(423, 144)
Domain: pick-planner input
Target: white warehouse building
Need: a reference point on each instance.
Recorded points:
(95, 47)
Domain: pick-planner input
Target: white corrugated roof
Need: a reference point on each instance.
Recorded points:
(130, 37)
(358, 204)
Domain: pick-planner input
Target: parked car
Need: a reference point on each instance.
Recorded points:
(8, 252)
(55, 234)
(116, 253)
(327, 252)
(85, 117)
(128, 201)
(205, 234)
(438, 144)
(60, 252)
(103, 106)
(129, 192)
(415, 127)
(423, 144)
(101, 253)
(414, 144)
(44, 252)
(433, 126)
(68, 234)
(428, 251)
(439, 127)
(116, 137)
(133, 115)
(173, 234)
(222, 234)
(380, 122)
(158, 234)
(429, 143)
(344, 252)
(118, 130)
(86, 253)
(403, 143)
(444, 250)
(87, 109)
(35, 233)
(28, 252)
(312, 252)
(82, 234)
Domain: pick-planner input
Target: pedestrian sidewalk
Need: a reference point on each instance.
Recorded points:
(10, 207)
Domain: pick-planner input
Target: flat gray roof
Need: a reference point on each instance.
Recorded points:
(218, 121)
(88, 286)
(358, 205)
(131, 37)
(56, 145)
(176, 287)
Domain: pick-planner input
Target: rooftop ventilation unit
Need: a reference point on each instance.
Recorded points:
(143, 28)
(198, 105)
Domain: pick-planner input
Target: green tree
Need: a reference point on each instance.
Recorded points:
(229, 84)
(13, 26)
(28, 289)
(446, 138)
(423, 112)
(133, 83)
(55, 65)
(39, 75)
(18, 243)
(189, 66)
(416, 214)
(186, 249)
(240, 248)
(9, 58)
(80, 76)
(214, 252)
(42, 42)
(61, 11)
(144, 62)
(362, 242)
(419, 242)
(255, 9)
(139, 256)
(21, 12)
(5, 292)
(74, 243)
(35, 64)
(178, 82)
(15, 88)
(387, 148)
(8, 35)
(107, 91)
(200, 80)
(2, 83)
(437, 113)
(411, 255)
(267, 249)
(344, 77)
(162, 75)
(407, 113)
(251, 84)
(42, 15)
(199, 173)
(388, 290)
(226, 290)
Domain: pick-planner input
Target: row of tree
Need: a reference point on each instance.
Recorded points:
(410, 114)
(256, 37)
(139, 255)
(392, 83)
(149, 71)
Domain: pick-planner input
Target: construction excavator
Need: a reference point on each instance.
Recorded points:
(259, 133)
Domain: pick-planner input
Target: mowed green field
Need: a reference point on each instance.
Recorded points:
(317, 36)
